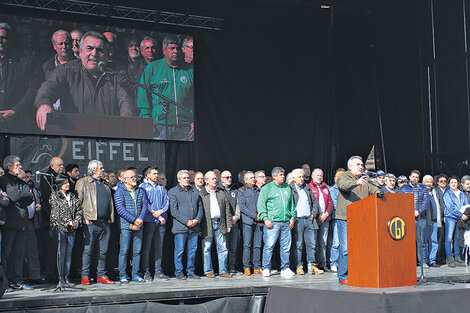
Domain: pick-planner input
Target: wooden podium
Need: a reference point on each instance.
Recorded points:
(382, 241)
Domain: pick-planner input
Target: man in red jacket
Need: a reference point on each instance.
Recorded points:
(321, 191)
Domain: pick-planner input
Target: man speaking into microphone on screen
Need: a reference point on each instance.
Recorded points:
(83, 86)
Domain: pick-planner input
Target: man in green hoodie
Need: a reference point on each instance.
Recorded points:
(276, 208)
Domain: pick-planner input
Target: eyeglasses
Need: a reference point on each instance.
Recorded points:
(131, 177)
(442, 180)
(227, 177)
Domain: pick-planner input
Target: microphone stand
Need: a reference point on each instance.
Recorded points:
(166, 101)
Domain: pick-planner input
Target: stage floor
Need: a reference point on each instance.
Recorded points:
(174, 290)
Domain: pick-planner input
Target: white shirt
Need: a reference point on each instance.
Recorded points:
(302, 207)
(215, 209)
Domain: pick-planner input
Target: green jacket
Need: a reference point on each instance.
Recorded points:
(275, 203)
(349, 193)
(175, 83)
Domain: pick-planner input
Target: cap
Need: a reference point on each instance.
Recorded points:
(379, 173)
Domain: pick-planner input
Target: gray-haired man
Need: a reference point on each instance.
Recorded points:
(97, 203)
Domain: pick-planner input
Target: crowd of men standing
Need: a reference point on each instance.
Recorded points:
(50, 233)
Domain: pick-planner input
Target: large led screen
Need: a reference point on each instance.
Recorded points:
(71, 79)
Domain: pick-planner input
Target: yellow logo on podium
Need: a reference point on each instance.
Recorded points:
(397, 228)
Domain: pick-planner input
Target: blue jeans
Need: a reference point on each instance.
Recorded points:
(155, 233)
(180, 243)
(434, 243)
(305, 232)
(426, 246)
(334, 254)
(322, 238)
(129, 237)
(343, 249)
(65, 246)
(452, 232)
(97, 232)
(252, 237)
(270, 235)
(222, 252)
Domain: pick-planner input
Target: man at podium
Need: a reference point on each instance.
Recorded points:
(353, 186)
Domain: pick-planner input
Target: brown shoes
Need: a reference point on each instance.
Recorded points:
(316, 270)
(300, 270)
(258, 271)
(226, 275)
(247, 272)
(210, 275)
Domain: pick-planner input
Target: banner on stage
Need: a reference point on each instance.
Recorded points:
(36, 152)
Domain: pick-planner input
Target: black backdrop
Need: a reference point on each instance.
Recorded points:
(286, 82)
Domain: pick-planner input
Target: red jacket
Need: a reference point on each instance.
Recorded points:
(326, 195)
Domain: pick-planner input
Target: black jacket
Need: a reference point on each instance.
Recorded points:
(45, 190)
(20, 196)
(312, 201)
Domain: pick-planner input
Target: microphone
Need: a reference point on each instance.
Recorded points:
(101, 66)
(45, 174)
(369, 173)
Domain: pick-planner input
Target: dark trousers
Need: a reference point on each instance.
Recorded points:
(13, 244)
(31, 253)
(441, 250)
(233, 237)
(95, 233)
(47, 248)
(153, 233)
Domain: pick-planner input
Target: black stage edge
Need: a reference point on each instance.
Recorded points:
(254, 294)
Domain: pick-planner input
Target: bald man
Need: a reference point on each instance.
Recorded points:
(47, 245)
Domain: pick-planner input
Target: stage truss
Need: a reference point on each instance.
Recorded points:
(120, 13)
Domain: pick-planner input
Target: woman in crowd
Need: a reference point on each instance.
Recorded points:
(66, 216)
(454, 200)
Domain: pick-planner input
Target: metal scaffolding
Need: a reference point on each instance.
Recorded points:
(120, 12)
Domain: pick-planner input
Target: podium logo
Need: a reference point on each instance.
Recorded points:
(397, 228)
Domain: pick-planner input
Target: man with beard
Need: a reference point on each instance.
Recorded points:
(13, 231)
(73, 173)
(174, 80)
(82, 87)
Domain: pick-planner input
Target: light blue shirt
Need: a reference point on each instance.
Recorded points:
(302, 207)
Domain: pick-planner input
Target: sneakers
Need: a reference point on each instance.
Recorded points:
(434, 265)
(138, 279)
(104, 280)
(287, 273)
(68, 283)
(147, 277)
(161, 276)
(450, 262)
(21, 285)
(226, 275)
(124, 280)
(85, 281)
(334, 268)
(247, 272)
(193, 276)
(316, 270)
(300, 270)
(266, 273)
(257, 271)
(344, 282)
(210, 275)
(181, 277)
